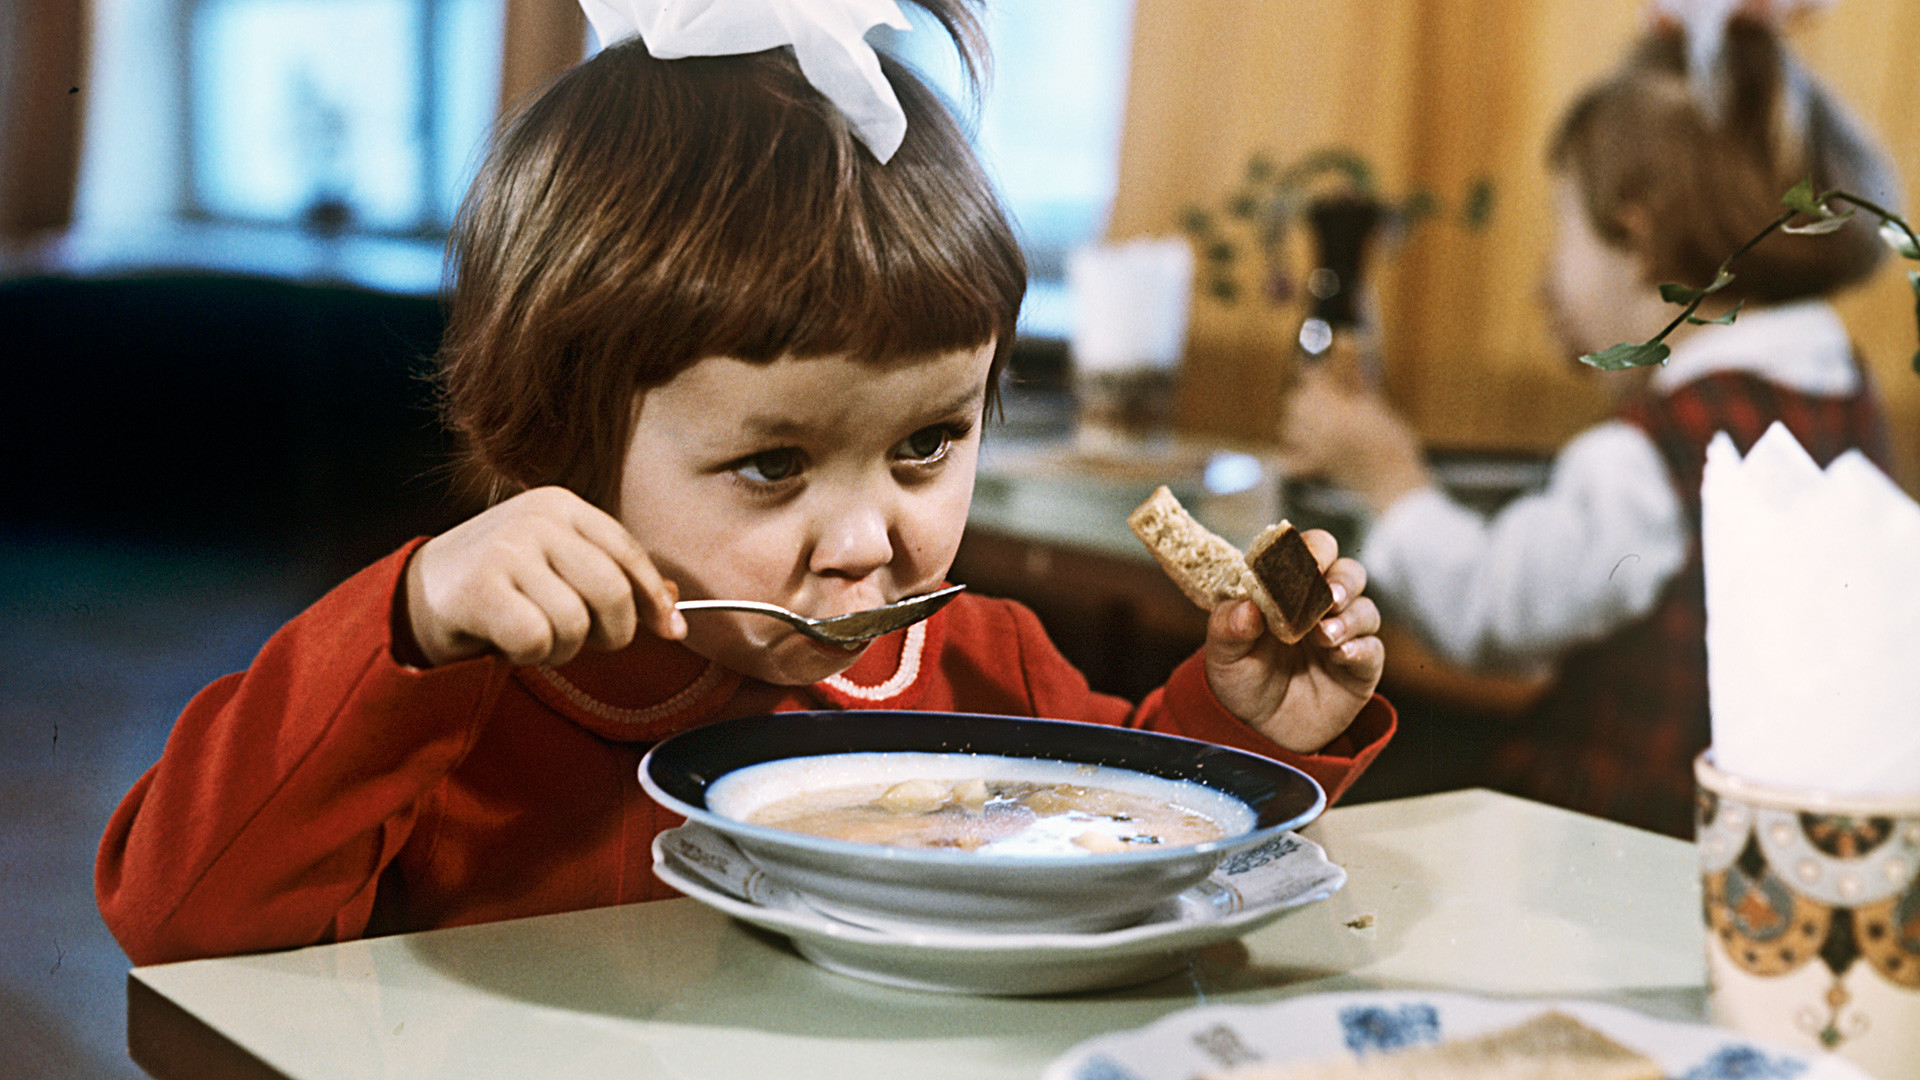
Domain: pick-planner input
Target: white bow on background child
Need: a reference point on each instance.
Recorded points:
(828, 38)
(1705, 22)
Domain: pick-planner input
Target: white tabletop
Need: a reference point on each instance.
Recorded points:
(1469, 891)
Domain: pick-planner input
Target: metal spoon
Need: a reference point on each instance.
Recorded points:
(853, 628)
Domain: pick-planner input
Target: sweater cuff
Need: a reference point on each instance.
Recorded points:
(403, 647)
(1334, 766)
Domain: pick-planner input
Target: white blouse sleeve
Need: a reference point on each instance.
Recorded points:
(1551, 571)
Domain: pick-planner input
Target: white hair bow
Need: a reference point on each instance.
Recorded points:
(828, 38)
(1706, 25)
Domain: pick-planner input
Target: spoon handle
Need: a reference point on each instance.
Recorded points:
(735, 605)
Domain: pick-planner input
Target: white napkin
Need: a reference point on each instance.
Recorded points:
(1130, 304)
(1813, 619)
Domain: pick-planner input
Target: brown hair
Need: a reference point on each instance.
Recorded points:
(640, 215)
(1640, 140)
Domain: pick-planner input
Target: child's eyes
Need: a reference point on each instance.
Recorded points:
(769, 466)
(929, 443)
(926, 446)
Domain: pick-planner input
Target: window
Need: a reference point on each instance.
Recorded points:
(339, 113)
(362, 116)
(366, 118)
(1049, 127)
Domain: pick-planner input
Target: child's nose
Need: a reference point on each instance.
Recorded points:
(854, 542)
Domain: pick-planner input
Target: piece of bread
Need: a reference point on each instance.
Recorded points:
(1551, 1046)
(1286, 571)
(1279, 574)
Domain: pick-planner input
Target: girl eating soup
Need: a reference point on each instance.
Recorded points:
(713, 334)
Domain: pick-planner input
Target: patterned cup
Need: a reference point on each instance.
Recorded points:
(1812, 905)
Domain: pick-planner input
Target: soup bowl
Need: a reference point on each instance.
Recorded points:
(909, 889)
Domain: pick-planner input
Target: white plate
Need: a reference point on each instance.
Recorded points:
(1319, 1027)
(1249, 890)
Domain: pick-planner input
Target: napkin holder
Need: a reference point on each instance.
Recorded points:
(1808, 822)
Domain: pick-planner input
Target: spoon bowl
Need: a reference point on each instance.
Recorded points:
(852, 629)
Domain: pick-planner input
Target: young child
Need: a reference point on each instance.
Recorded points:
(713, 334)
(1658, 176)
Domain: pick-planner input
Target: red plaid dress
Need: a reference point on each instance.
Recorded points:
(1617, 734)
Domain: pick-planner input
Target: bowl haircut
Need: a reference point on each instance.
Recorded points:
(1639, 140)
(640, 215)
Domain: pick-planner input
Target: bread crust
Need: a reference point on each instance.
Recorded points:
(1551, 1046)
(1292, 595)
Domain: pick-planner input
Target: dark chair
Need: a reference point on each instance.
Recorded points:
(225, 409)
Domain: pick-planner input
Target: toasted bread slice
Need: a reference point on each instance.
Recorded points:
(1297, 593)
(1281, 577)
(1551, 1046)
(1208, 568)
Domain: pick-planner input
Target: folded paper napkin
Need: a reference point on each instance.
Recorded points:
(1130, 304)
(1813, 619)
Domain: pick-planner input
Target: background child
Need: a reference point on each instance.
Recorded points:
(1660, 174)
(713, 334)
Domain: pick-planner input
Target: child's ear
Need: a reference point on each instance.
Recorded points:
(1637, 222)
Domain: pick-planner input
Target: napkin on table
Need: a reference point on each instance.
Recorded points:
(1813, 619)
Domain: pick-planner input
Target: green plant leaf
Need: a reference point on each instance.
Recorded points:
(1479, 205)
(1724, 320)
(1259, 168)
(1224, 290)
(1802, 199)
(1830, 223)
(1720, 281)
(1675, 293)
(1222, 251)
(1897, 239)
(1243, 205)
(1196, 221)
(1627, 355)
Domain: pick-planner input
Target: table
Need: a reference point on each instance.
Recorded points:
(1469, 890)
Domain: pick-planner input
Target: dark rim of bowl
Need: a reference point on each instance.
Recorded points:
(683, 766)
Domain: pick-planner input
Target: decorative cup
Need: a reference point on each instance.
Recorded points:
(1812, 906)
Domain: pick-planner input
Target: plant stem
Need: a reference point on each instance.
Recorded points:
(1883, 213)
(1719, 272)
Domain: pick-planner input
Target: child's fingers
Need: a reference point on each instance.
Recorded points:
(1324, 547)
(1348, 579)
(582, 594)
(521, 627)
(1361, 659)
(1350, 643)
(603, 586)
(1233, 630)
(1360, 619)
(642, 576)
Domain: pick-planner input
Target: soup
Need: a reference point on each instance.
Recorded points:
(980, 803)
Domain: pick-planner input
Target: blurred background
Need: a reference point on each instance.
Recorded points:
(221, 237)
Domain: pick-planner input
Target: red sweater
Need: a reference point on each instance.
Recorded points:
(329, 792)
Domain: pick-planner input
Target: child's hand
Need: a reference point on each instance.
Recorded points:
(537, 578)
(1304, 695)
(1351, 437)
